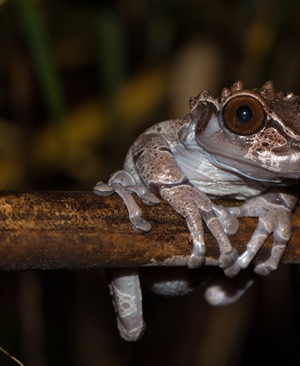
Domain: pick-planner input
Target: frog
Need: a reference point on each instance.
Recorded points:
(242, 145)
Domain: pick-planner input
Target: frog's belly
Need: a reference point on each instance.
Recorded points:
(211, 180)
(227, 189)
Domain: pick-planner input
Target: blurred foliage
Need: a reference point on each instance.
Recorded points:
(33, 29)
(79, 80)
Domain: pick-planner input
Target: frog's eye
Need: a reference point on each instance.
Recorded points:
(243, 115)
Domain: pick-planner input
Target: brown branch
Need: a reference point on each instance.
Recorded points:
(54, 230)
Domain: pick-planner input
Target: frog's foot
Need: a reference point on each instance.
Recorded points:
(227, 259)
(257, 241)
(103, 189)
(271, 264)
(195, 206)
(228, 221)
(124, 185)
(228, 254)
(232, 270)
(197, 258)
(273, 219)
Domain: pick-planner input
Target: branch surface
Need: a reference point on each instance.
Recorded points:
(59, 230)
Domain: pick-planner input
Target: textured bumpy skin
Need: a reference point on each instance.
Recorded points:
(243, 145)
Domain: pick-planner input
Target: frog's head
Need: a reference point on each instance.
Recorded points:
(255, 133)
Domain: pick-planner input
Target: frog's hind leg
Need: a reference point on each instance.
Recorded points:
(124, 286)
(124, 185)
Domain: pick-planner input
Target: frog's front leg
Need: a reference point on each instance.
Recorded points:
(156, 166)
(195, 206)
(274, 210)
(123, 183)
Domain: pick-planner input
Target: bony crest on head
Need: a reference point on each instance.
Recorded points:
(202, 98)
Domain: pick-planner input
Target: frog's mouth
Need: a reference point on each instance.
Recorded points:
(249, 169)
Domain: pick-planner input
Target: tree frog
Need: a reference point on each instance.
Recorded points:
(244, 145)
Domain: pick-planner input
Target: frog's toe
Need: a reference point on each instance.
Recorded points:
(103, 189)
(227, 259)
(140, 225)
(263, 269)
(150, 199)
(228, 220)
(230, 225)
(144, 194)
(233, 270)
(196, 260)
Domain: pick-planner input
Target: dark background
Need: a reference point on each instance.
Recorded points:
(79, 80)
